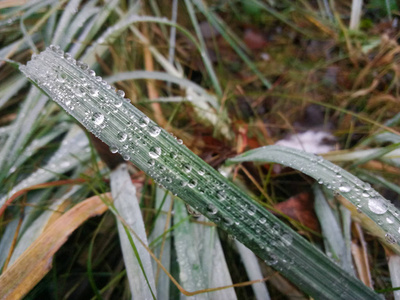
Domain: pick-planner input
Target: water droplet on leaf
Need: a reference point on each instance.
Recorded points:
(155, 152)
(377, 205)
(122, 136)
(97, 118)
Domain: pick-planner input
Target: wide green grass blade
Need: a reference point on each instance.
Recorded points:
(128, 131)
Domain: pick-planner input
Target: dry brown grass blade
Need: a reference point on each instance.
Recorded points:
(12, 3)
(36, 261)
(151, 88)
(360, 255)
(36, 187)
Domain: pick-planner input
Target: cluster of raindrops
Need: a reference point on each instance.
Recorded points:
(361, 194)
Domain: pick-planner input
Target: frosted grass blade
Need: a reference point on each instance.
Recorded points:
(163, 203)
(394, 263)
(204, 54)
(37, 144)
(191, 274)
(127, 130)
(27, 115)
(137, 261)
(82, 17)
(331, 229)
(68, 13)
(10, 88)
(360, 194)
(187, 84)
(74, 145)
(213, 263)
(253, 271)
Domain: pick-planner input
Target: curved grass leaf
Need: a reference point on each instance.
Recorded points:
(360, 194)
(128, 131)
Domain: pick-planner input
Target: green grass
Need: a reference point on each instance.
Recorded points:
(222, 96)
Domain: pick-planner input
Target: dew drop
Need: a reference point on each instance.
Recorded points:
(251, 210)
(97, 118)
(389, 221)
(227, 221)
(272, 260)
(143, 121)
(390, 238)
(262, 220)
(221, 195)
(117, 103)
(365, 194)
(345, 187)
(83, 66)
(121, 93)
(154, 131)
(155, 152)
(287, 239)
(183, 183)
(61, 77)
(113, 149)
(126, 157)
(192, 183)
(377, 205)
(79, 91)
(187, 168)
(212, 209)
(121, 136)
(201, 172)
(93, 91)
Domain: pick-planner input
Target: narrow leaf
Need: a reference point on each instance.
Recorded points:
(382, 212)
(137, 263)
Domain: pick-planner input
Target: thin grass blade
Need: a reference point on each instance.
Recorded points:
(368, 201)
(137, 261)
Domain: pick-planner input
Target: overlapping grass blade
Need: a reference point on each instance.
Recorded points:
(253, 270)
(212, 259)
(162, 249)
(368, 201)
(136, 258)
(191, 274)
(331, 230)
(74, 146)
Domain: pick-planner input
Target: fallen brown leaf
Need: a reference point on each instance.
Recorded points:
(300, 208)
(36, 261)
